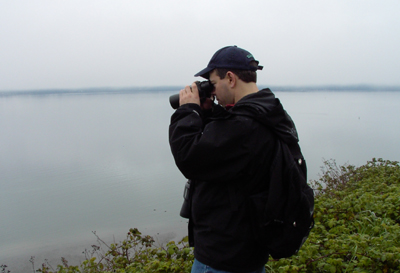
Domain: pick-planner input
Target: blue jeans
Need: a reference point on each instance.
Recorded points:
(199, 267)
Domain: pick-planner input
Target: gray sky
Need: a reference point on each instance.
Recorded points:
(120, 43)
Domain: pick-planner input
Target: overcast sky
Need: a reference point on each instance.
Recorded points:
(121, 43)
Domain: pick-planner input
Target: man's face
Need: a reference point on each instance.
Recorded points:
(221, 89)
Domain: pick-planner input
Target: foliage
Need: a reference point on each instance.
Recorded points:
(135, 254)
(4, 269)
(357, 217)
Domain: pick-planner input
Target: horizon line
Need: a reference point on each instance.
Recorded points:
(320, 87)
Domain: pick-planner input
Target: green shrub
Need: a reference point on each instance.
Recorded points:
(136, 253)
(357, 216)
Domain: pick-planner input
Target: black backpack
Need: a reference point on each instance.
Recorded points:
(284, 216)
(288, 216)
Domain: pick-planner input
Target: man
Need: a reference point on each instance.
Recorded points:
(226, 155)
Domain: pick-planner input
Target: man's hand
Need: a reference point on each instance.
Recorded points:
(189, 95)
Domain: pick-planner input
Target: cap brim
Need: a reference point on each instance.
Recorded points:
(205, 72)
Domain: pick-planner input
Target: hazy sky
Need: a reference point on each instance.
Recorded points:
(120, 43)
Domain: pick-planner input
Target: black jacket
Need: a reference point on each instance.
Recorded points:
(227, 156)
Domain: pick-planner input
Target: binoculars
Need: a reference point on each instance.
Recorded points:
(205, 88)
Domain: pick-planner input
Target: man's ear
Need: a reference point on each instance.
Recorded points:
(232, 79)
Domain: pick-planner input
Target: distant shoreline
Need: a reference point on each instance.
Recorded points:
(153, 89)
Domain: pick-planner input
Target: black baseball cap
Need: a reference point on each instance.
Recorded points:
(230, 57)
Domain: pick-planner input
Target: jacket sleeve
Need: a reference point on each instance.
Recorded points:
(217, 151)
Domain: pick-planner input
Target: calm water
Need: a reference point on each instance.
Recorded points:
(75, 163)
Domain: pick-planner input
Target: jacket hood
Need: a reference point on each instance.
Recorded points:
(264, 107)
